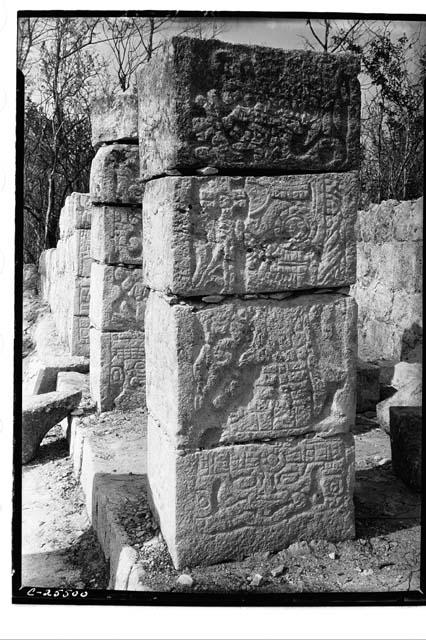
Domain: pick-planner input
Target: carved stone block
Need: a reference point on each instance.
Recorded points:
(232, 501)
(81, 296)
(207, 102)
(116, 235)
(115, 118)
(114, 175)
(79, 336)
(117, 298)
(75, 214)
(246, 370)
(249, 234)
(80, 248)
(117, 369)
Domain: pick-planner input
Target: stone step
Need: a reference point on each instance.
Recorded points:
(109, 459)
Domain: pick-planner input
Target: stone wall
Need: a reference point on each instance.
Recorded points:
(117, 298)
(250, 333)
(65, 275)
(389, 281)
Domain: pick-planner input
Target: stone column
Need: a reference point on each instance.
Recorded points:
(117, 300)
(65, 273)
(250, 332)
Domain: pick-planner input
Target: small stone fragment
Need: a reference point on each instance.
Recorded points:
(332, 555)
(256, 580)
(277, 571)
(77, 412)
(185, 580)
(208, 171)
(212, 299)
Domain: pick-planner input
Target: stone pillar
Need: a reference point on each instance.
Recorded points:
(117, 300)
(250, 332)
(388, 288)
(65, 274)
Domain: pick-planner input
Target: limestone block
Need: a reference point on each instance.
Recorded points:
(114, 175)
(367, 386)
(406, 442)
(81, 297)
(118, 298)
(117, 369)
(246, 370)
(80, 248)
(115, 118)
(211, 103)
(39, 414)
(230, 501)
(75, 214)
(116, 235)
(391, 220)
(79, 335)
(226, 234)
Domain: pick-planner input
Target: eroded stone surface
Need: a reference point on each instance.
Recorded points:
(79, 335)
(116, 235)
(117, 369)
(389, 281)
(230, 501)
(251, 370)
(81, 296)
(210, 103)
(75, 214)
(249, 234)
(118, 298)
(115, 118)
(40, 413)
(406, 442)
(114, 175)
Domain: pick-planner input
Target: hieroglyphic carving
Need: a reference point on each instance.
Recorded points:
(79, 336)
(117, 235)
(206, 102)
(117, 369)
(246, 498)
(114, 175)
(251, 370)
(81, 296)
(75, 214)
(118, 297)
(250, 234)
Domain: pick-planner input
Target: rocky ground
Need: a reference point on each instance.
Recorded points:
(61, 550)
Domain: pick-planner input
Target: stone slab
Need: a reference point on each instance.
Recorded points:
(39, 414)
(245, 370)
(116, 235)
(117, 369)
(406, 442)
(115, 118)
(114, 175)
(118, 298)
(367, 386)
(252, 234)
(232, 106)
(75, 214)
(81, 296)
(217, 505)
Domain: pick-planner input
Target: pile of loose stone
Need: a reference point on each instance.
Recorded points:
(250, 158)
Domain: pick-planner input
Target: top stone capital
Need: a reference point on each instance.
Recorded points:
(239, 107)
